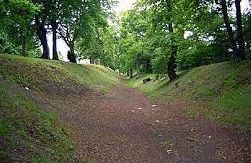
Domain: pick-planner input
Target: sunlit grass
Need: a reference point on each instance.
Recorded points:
(36, 72)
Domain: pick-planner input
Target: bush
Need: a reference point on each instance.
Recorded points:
(7, 46)
(201, 55)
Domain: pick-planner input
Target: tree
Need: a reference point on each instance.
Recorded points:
(132, 50)
(240, 35)
(247, 32)
(239, 50)
(55, 14)
(41, 23)
(41, 33)
(16, 17)
(153, 32)
(171, 65)
(79, 20)
(163, 21)
(100, 46)
(49, 17)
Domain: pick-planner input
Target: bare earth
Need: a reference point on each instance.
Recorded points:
(124, 126)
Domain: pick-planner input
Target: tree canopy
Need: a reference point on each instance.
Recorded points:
(155, 36)
(170, 35)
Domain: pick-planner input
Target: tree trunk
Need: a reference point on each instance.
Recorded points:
(171, 68)
(148, 66)
(229, 28)
(91, 60)
(240, 35)
(23, 44)
(46, 51)
(54, 26)
(71, 54)
(171, 65)
(72, 48)
(41, 32)
(130, 73)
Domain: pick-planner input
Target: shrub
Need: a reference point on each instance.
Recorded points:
(201, 55)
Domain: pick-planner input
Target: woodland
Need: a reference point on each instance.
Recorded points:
(167, 81)
(156, 36)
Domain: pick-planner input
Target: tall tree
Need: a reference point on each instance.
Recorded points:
(171, 65)
(41, 31)
(49, 17)
(240, 35)
(73, 24)
(80, 19)
(239, 51)
(167, 21)
(54, 16)
(54, 27)
(230, 32)
(16, 17)
(41, 24)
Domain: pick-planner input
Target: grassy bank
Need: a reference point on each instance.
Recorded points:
(220, 91)
(30, 131)
(38, 72)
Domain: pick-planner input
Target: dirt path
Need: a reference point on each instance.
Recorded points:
(124, 126)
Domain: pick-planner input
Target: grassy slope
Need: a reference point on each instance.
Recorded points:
(36, 72)
(27, 130)
(221, 91)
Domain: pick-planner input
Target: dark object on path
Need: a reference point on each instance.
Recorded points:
(146, 80)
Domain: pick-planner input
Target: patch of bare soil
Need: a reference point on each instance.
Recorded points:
(124, 126)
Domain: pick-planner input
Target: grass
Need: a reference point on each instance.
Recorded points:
(31, 132)
(36, 73)
(28, 132)
(220, 91)
(152, 89)
(234, 107)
